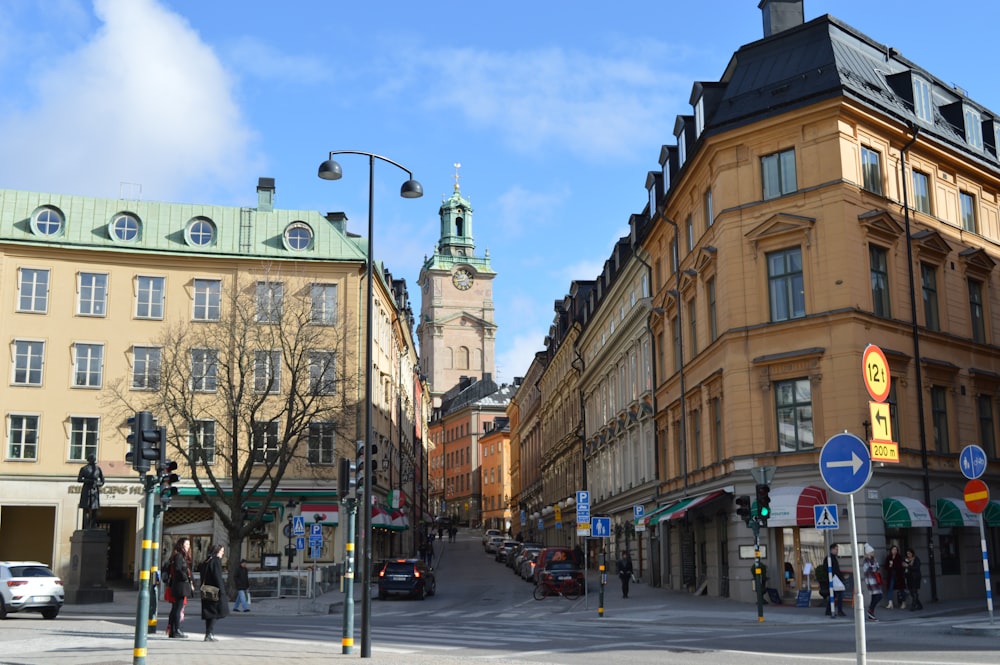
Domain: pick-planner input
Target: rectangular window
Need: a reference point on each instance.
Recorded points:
(923, 102)
(22, 437)
(689, 226)
(785, 284)
(699, 117)
(879, 260)
(324, 304)
(713, 326)
(149, 297)
(976, 311)
(145, 368)
(28, 357)
(678, 361)
(696, 438)
(987, 427)
(267, 371)
(88, 365)
(968, 205)
(928, 284)
(204, 370)
(201, 441)
(92, 290)
(322, 372)
(871, 170)
(682, 147)
(321, 443)
(717, 427)
(794, 415)
(32, 290)
(82, 438)
(709, 211)
(265, 442)
(692, 313)
(973, 128)
(778, 174)
(921, 192)
(269, 301)
(939, 416)
(207, 299)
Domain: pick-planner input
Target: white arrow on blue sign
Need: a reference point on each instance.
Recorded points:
(845, 463)
(600, 527)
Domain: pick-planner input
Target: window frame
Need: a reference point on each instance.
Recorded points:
(797, 407)
(150, 295)
(206, 299)
(28, 355)
(270, 302)
(83, 440)
(923, 100)
(871, 170)
(267, 372)
(266, 439)
(204, 370)
(197, 441)
(322, 305)
(146, 370)
(778, 174)
(929, 295)
(939, 418)
(790, 282)
(878, 261)
(977, 312)
(967, 211)
(48, 228)
(921, 194)
(88, 365)
(321, 446)
(323, 378)
(91, 293)
(125, 227)
(29, 300)
(27, 451)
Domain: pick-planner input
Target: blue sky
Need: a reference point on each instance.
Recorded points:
(556, 110)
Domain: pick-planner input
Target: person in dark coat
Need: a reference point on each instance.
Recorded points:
(836, 579)
(912, 566)
(895, 578)
(181, 587)
(242, 578)
(625, 571)
(211, 573)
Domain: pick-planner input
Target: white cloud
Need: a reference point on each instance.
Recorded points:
(520, 208)
(144, 100)
(519, 353)
(257, 59)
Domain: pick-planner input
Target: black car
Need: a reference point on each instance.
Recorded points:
(410, 577)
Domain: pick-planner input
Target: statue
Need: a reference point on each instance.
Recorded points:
(90, 496)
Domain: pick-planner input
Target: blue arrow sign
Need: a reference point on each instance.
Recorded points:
(845, 463)
(973, 461)
(600, 527)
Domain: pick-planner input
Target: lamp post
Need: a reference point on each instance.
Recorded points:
(411, 189)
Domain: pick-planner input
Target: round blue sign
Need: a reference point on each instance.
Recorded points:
(845, 463)
(972, 460)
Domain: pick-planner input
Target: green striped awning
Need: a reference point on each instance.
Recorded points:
(903, 512)
(991, 516)
(953, 512)
(680, 509)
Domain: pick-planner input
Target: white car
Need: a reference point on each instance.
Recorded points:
(493, 543)
(489, 534)
(29, 586)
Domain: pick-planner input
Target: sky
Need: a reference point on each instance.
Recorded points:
(555, 109)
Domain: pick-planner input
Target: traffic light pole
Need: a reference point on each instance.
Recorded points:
(142, 609)
(758, 572)
(347, 640)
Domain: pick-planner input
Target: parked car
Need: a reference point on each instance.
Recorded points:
(411, 577)
(493, 543)
(515, 561)
(503, 549)
(29, 586)
(557, 572)
(526, 569)
(488, 534)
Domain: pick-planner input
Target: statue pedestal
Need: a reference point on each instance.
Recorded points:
(88, 568)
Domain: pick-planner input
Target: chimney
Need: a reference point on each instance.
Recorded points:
(338, 220)
(780, 15)
(265, 194)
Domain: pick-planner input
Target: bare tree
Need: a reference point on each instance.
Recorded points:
(245, 392)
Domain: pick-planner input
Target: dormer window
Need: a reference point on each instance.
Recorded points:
(666, 175)
(699, 117)
(973, 128)
(681, 146)
(47, 222)
(652, 200)
(125, 227)
(923, 101)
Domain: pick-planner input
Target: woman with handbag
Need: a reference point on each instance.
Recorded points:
(214, 604)
(873, 580)
(180, 587)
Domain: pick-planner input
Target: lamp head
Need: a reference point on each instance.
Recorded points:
(330, 170)
(411, 189)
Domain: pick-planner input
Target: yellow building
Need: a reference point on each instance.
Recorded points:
(95, 293)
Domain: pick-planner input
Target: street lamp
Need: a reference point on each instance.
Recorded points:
(411, 189)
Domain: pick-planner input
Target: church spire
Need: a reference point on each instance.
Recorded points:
(456, 223)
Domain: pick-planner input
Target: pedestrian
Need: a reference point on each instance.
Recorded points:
(214, 603)
(895, 578)
(911, 564)
(180, 588)
(452, 532)
(837, 585)
(242, 578)
(578, 556)
(625, 572)
(873, 580)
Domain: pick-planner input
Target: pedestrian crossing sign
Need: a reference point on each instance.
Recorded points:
(825, 516)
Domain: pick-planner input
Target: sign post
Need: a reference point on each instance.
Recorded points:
(977, 496)
(875, 374)
(846, 466)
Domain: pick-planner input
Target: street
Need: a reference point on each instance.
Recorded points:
(482, 611)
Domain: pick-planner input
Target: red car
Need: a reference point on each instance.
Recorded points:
(550, 554)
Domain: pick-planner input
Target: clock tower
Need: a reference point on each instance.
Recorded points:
(456, 329)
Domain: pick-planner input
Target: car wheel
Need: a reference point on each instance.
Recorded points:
(3, 610)
(433, 591)
(50, 612)
(422, 592)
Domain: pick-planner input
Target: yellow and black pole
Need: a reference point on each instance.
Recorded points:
(602, 567)
(347, 641)
(154, 569)
(142, 609)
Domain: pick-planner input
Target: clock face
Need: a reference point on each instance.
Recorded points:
(462, 279)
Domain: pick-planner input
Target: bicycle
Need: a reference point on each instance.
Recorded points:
(569, 588)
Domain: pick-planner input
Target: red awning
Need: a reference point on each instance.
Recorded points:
(792, 505)
(329, 513)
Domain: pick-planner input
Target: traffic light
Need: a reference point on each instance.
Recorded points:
(360, 468)
(744, 508)
(763, 503)
(166, 468)
(144, 441)
(347, 483)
